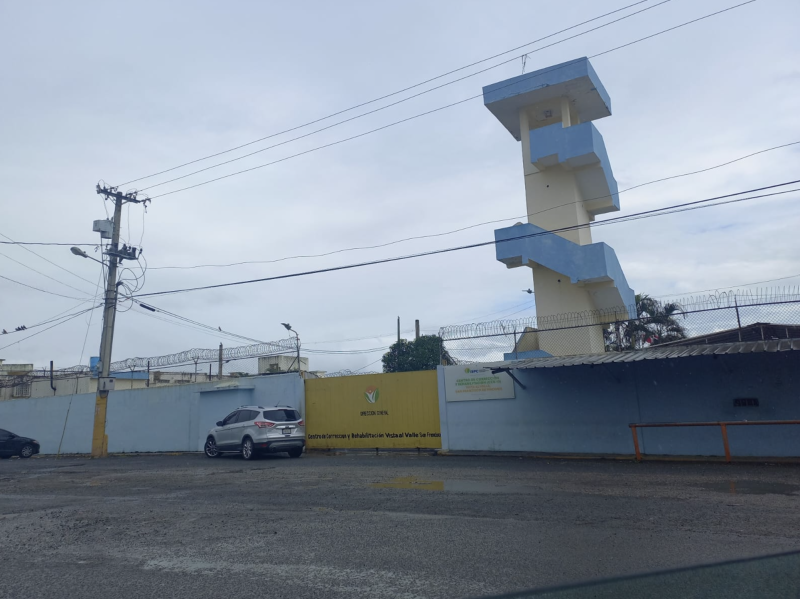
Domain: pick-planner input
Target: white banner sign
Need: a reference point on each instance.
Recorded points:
(468, 383)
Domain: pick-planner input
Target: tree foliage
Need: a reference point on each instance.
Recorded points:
(425, 353)
(656, 323)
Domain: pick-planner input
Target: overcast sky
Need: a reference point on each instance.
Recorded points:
(117, 91)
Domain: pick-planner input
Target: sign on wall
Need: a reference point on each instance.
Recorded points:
(469, 383)
(380, 410)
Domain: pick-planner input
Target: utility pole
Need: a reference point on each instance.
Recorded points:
(398, 329)
(416, 329)
(104, 384)
(219, 363)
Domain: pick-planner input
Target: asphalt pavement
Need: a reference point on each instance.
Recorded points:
(373, 526)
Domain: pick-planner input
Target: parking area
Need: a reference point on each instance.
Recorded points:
(373, 526)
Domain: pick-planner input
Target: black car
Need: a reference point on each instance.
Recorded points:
(11, 444)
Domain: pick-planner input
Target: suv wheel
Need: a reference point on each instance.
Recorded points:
(248, 451)
(210, 448)
(295, 453)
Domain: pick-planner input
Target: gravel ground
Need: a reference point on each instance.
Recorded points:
(373, 526)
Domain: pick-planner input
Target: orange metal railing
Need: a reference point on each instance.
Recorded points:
(722, 425)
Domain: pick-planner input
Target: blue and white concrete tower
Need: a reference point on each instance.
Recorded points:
(568, 181)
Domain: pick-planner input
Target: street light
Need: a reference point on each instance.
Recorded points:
(290, 329)
(82, 254)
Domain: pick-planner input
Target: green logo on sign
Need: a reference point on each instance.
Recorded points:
(372, 394)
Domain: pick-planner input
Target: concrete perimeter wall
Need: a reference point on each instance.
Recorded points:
(174, 418)
(587, 409)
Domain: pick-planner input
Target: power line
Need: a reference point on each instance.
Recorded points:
(91, 314)
(46, 260)
(214, 333)
(66, 319)
(44, 275)
(37, 289)
(384, 97)
(728, 286)
(53, 319)
(488, 222)
(397, 102)
(196, 323)
(247, 170)
(636, 216)
(47, 243)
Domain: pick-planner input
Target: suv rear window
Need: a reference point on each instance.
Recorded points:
(281, 415)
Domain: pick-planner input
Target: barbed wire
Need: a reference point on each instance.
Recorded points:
(190, 356)
(725, 317)
(724, 299)
(345, 372)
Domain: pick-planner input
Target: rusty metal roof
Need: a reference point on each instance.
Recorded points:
(656, 353)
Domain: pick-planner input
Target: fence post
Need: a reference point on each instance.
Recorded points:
(515, 344)
(738, 320)
(724, 430)
(636, 443)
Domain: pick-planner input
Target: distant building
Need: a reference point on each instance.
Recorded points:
(759, 331)
(19, 381)
(276, 364)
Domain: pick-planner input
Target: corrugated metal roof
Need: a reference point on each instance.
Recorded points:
(656, 353)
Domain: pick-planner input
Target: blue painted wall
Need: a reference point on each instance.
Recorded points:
(170, 418)
(518, 244)
(585, 409)
(45, 418)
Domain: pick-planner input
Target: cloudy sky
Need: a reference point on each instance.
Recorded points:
(117, 91)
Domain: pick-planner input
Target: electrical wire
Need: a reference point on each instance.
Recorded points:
(47, 243)
(371, 337)
(46, 260)
(91, 314)
(489, 222)
(384, 97)
(636, 216)
(368, 365)
(346, 352)
(727, 287)
(66, 319)
(37, 289)
(217, 335)
(515, 82)
(397, 102)
(195, 324)
(44, 275)
(49, 319)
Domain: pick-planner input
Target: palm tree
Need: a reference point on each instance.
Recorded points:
(656, 323)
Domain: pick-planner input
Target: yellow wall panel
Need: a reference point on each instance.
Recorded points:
(376, 410)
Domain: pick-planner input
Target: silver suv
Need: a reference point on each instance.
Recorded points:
(251, 430)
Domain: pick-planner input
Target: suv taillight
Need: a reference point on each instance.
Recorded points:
(264, 424)
(301, 422)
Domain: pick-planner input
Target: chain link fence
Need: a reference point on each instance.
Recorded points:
(721, 318)
(724, 317)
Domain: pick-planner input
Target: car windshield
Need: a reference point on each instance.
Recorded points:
(282, 415)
